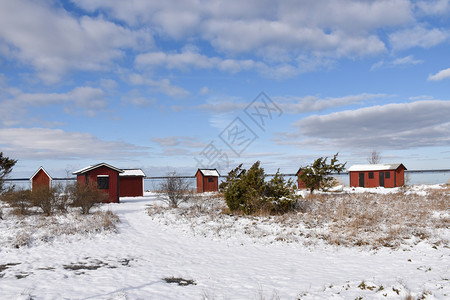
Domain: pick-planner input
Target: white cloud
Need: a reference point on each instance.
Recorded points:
(180, 61)
(55, 42)
(298, 105)
(162, 85)
(436, 7)
(418, 36)
(274, 30)
(290, 105)
(178, 145)
(204, 91)
(407, 60)
(391, 126)
(443, 74)
(87, 99)
(172, 141)
(44, 143)
(398, 62)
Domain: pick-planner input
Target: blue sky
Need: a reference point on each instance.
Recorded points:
(175, 85)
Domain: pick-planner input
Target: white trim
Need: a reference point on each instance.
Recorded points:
(102, 175)
(89, 168)
(35, 173)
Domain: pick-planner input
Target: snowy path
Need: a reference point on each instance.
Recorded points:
(133, 263)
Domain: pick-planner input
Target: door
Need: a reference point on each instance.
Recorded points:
(382, 179)
(361, 179)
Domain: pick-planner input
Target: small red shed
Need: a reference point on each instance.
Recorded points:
(131, 183)
(41, 179)
(105, 176)
(207, 180)
(301, 184)
(375, 175)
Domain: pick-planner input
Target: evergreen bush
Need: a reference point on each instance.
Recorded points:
(249, 192)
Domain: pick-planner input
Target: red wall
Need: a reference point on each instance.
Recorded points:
(396, 178)
(210, 186)
(400, 176)
(301, 184)
(131, 186)
(40, 180)
(113, 191)
(199, 182)
(203, 184)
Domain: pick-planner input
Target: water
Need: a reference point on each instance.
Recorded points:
(152, 184)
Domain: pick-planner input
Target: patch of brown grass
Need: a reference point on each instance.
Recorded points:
(364, 220)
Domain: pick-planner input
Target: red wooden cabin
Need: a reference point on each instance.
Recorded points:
(207, 180)
(383, 175)
(131, 183)
(301, 184)
(41, 179)
(104, 176)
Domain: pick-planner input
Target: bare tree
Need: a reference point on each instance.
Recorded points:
(374, 158)
(175, 189)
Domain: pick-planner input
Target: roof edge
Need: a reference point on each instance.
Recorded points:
(90, 168)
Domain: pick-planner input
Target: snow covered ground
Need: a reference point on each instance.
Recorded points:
(133, 263)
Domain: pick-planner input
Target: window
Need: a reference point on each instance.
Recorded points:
(371, 175)
(387, 175)
(210, 179)
(103, 182)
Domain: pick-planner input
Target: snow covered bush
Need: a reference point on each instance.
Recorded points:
(249, 193)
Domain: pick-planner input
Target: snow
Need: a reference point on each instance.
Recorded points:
(207, 172)
(132, 264)
(374, 167)
(132, 172)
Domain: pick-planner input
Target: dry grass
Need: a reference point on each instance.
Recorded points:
(23, 231)
(366, 220)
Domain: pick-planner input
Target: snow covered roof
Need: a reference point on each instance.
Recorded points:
(89, 168)
(132, 172)
(375, 167)
(209, 172)
(41, 168)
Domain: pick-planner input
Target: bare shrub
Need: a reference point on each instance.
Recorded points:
(175, 189)
(19, 199)
(374, 158)
(45, 198)
(63, 199)
(86, 196)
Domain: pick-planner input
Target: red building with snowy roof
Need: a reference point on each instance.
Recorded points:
(40, 179)
(131, 183)
(375, 175)
(104, 176)
(207, 180)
